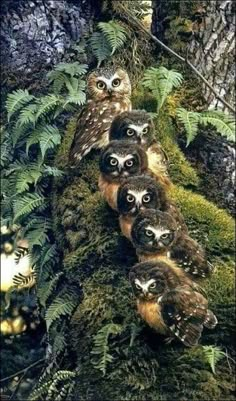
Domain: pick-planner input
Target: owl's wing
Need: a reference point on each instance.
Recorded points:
(92, 129)
(190, 255)
(158, 162)
(185, 313)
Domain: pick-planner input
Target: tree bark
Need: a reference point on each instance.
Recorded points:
(210, 46)
(36, 34)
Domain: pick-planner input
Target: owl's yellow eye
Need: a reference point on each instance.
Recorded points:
(146, 198)
(130, 132)
(152, 286)
(165, 236)
(116, 82)
(129, 163)
(130, 198)
(149, 233)
(145, 130)
(101, 85)
(113, 162)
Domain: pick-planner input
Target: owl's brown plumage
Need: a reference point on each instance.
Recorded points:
(119, 161)
(136, 126)
(155, 234)
(140, 193)
(109, 92)
(169, 302)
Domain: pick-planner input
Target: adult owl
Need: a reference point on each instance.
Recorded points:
(109, 92)
(136, 126)
(170, 302)
(155, 234)
(119, 161)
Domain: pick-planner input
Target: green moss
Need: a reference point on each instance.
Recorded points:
(61, 160)
(212, 226)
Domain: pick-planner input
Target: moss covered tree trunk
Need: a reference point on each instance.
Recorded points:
(204, 32)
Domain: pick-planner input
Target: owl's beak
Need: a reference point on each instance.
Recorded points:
(109, 90)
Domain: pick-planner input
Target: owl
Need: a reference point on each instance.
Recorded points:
(119, 161)
(170, 302)
(109, 92)
(155, 234)
(138, 194)
(137, 126)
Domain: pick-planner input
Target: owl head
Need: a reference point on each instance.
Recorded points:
(149, 279)
(140, 193)
(154, 231)
(121, 159)
(109, 82)
(135, 126)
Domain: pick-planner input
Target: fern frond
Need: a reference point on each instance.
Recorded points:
(72, 69)
(101, 346)
(190, 121)
(19, 131)
(47, 136)
(6, 153)
(115, 33)
(213, 355)
(224, 124)
(59, 307)
(53, 171)
(26, 204)
(16, 100)
(57, 79)
(161, 82)
(25, 178)
(47, 104)
(46, 289)
(100, 47)
(27, 114)
(37, 234)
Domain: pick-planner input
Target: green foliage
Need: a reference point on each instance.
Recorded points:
(213, 355)
(58, 308)
(161, 81)
(223, 123)
(115, 34)
(16, 100)
(101, 345)
(110, 37)
(57, 388)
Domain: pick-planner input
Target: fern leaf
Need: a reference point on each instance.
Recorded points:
(16, 100)
(47, 136)
(213, 355)
(161, 82)
(27, 114)
(53, 171)
(37, 234)
(25, 178)
(100, 47)
(60, 307)
(19, 131)
(101, 346)
(6, 153)
(46, 289)
(224, 124)
(47, 104)
(57, 79)
(190, 121)
(72, 69)
(26, 204)
(49, 255)
(115, 34)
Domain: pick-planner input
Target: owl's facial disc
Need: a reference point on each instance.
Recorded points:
(121, 166)
(108, 85)
(136, 133)
(155, 239)
(145, 288)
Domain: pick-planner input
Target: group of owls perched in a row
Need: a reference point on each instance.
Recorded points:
(134, 181)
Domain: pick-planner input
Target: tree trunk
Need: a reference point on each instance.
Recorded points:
(36, 34)
(204, 30)
(211, 44)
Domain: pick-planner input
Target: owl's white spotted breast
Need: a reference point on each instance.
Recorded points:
(94, 123)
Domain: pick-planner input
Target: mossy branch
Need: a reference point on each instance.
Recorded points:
(138, 24)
